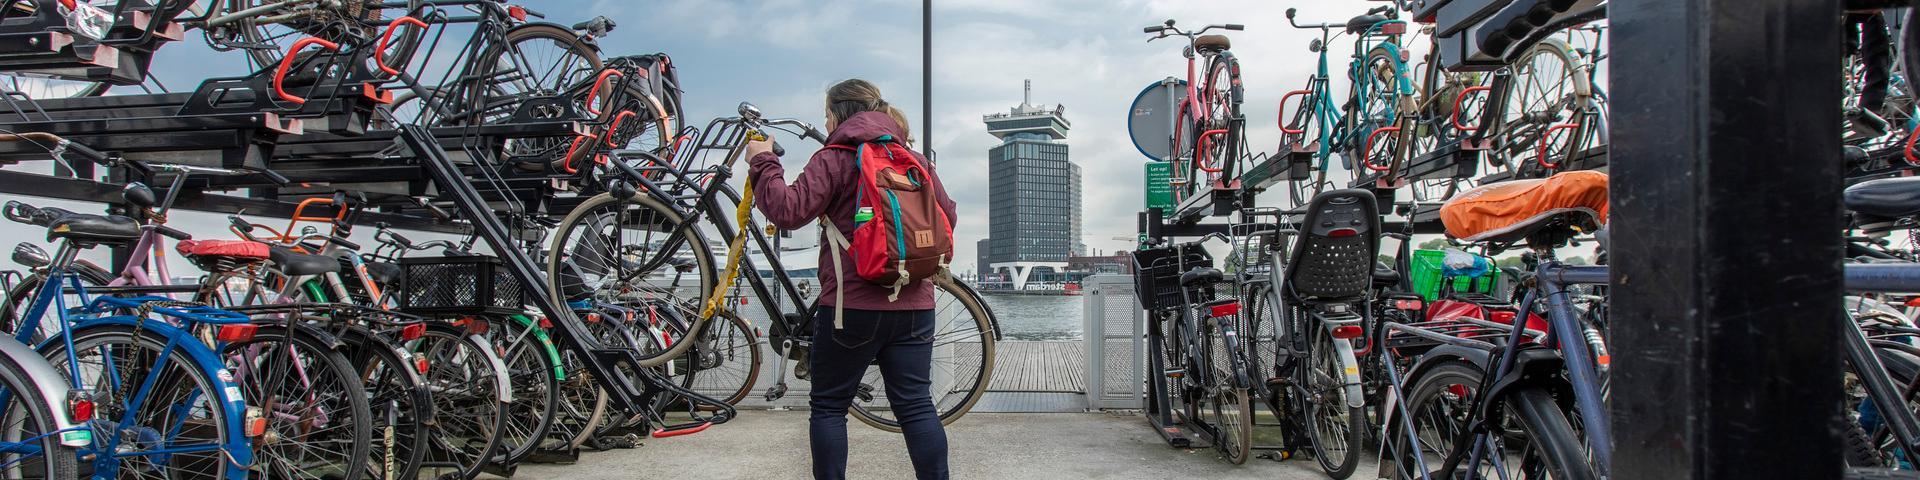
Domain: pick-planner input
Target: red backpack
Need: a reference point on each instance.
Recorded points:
(901, 234)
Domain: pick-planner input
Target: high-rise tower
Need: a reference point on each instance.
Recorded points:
(1033, 195)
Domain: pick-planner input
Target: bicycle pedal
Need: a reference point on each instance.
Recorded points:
(776, 392)
(864, 392)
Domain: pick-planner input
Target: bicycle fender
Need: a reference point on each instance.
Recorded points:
(493, 358)
(209, 363)
(49, 382)
(359, 335)
(1534, 366)
(1349, 372)
(546, 344)
(1439, 354)
(326, 338)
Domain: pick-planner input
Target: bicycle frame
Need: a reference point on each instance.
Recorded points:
(1336, 128)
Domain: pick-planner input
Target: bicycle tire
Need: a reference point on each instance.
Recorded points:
(1226, 117)
(1337, 453)
(1535, 414)
(394, 391)
(583, 402)
(658, 214)
(468, 381)
(1521, 130)
(320, 363)
(731, 342)
(213, 415)
(532, 373)
(28, 413)
(485, 86)
(951, 408)
(24, 293)
(252, 32)
(1228, 403)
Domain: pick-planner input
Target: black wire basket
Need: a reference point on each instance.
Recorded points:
(1156, 275)
(462, 285)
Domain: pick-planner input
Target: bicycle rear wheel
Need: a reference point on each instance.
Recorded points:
(1334, 427)
(532, 372)
(633, 252)
(318, 424)
(111, 356)
(399, 401)
(963, 346)
(1228, 404)
(469, 385)
(27, 419)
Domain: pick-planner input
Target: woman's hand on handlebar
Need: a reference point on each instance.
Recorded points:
(757, 147)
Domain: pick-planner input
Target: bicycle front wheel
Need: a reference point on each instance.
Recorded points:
(1229, 406)
(27, 419)
(963, 347)
(318, 424)
(633, 252)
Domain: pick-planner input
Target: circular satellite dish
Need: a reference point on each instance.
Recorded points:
(1153, 119)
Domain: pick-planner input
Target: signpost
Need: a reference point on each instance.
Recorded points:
(1159, 189)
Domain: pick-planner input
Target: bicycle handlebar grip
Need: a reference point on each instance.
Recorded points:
(21, 212)
(1153, 29)
(171, 232)
(88, 153)
(1236, 26)
(343, 243)
(274, 177)
(396, 239)
(380, 53)
(286, 62)
(240, 224)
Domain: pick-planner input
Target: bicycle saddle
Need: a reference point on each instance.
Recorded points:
(296, 264)
(1212, 43)
(1201, 276)
(92, 229)
(1384, 275)
(1362, 23)
(1886, 197)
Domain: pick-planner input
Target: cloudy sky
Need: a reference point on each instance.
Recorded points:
(1088, 55)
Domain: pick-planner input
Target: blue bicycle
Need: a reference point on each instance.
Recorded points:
(153, 398)
(1366, 123)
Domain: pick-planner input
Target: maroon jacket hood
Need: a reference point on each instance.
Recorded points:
(865, 127)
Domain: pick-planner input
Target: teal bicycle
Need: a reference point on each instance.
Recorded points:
(1362, 130)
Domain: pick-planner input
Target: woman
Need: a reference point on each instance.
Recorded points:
(897, 335)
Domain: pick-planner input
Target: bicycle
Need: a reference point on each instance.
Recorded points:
(635, 245)
(113, 356)
(1318, 128)
(1209, 135)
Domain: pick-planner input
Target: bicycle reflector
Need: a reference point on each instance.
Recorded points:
(1346, 332)
(420, 364)
(1913, 302)
(592, 318)
(413, 332)
(1407, 304)
(1224, 310)
(238, 332)
(256, 422)
(1342, 232)
(517, 12)
(546, 324)
(79, 406)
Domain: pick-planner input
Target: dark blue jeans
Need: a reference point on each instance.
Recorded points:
(901, 344)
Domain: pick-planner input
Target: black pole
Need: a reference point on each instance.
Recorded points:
(926, 79)
(1726, 240)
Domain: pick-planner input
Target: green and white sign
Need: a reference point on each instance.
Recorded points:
(1159, 190)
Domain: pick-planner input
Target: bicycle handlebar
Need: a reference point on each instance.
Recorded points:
(1322, 26)
(1168, 30)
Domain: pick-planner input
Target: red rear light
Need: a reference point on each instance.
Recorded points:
(420, 364)
(517, 12)
(413, 332)
(236, 333)
(743, 300)
(79, 406)
(1225, 310)
(1407, 304)
(255, 422)
(1342, 232)
(474, 326)
(1346, 332)
(546, 324)
(1913, 302)
(1393, 29)
(593, 318)
(1502, 316)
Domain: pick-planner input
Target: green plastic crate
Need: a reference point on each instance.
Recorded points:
(1427, 270)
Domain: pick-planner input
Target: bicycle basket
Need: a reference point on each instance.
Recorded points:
(465, 285)
(1156, 274)
(1428, 273)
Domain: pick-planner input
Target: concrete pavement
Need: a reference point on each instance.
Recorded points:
(773, 445)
